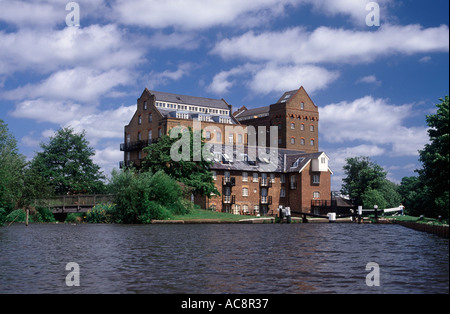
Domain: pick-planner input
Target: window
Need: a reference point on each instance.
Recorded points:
(302, 127)
(316, 179)
(272, 177)
(159, 132)
(208, 135)
(245, 208)
(150, 117)
(145, 105)
(244, 191)
(311, 128)
(323, 160)
(139, 136)
(316, 195)
(302, 141)
(292, 140)
(283, 178)
(312, 142)
(280, 140)
(245, 176)
(230, 138)
(302, 105)
(214, 175)
(292, 125)
(255, 177)
(239, 138)
(139, 119)
(283, 192)
(150, 136)
(219, 136)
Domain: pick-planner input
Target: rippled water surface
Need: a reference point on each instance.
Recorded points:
(296, 258)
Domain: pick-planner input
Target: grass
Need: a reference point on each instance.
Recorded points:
(197, 214)
(425, 220)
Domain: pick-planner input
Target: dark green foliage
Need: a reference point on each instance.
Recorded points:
(142, 197)
(66, 164)
(12, 165)
(194, 174)
(435, 159)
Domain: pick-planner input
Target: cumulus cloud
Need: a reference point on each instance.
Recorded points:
(331, 45)
(372, 121)
(99, 47)
(78, 84)
(196, 14)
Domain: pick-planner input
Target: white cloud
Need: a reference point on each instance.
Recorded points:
(370, 79)
(45, 51)
(78, 84)
(271, 77)
(330, 45)
(197, 14)
(108, 158)
(43, 110)
(372, 121)
(276, 78)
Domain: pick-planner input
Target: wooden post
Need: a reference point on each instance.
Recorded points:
(359, 214)
(376, 212)
(26, 219)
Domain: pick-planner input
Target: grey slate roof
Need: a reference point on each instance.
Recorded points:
(283, 161)
(190, 100)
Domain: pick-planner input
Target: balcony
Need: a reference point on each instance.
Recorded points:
(229, 199)
(265, 182)
(132, 146)
(266, 200)
(229, 181)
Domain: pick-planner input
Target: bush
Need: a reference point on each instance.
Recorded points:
(43, 214)
(142, 197)
(101, 213)
(17, 215)
(74, 217)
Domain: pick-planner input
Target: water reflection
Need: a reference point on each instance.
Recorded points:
(297, 258)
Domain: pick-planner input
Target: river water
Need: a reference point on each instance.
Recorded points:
(231, 258)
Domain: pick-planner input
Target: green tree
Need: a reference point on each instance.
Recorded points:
(194, 174)
(12, 165)
(414, 195)
(362, 175)
(66, 163)
(435, 160)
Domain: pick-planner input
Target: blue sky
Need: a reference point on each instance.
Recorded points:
(373, 84)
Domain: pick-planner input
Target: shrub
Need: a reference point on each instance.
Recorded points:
(43, 214)
(17, 215)
(74, 217)
(101, 213)
(142, 197)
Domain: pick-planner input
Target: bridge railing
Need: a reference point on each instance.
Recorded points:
(75, 201)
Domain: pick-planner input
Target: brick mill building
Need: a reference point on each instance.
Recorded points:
(295, 175)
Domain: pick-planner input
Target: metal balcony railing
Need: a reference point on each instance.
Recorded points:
(229, 199)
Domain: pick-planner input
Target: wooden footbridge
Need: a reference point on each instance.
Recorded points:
(74, 203)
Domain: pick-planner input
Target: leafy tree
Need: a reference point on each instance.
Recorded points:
(435, 159)
(194, 174)
(414, 195)
(362, 175)
(12, 166)
(372, 197)
(66, 163)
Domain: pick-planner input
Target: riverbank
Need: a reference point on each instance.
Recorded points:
(440, 230)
